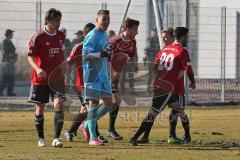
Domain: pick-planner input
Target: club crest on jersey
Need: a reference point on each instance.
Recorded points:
(60, 42)
(47, 44)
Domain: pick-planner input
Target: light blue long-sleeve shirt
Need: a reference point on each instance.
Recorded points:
(95, 70)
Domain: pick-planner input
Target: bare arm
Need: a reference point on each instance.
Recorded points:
(191, 77)
(40, 71)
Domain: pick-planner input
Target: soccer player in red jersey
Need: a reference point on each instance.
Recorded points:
(45, 55)
(167, 39)
(178, 110)
(169, 64)
(75, 58)
(123, 49)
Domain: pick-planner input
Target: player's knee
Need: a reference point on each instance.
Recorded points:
(39, 108)
(185, 119)
(58, 104)
(92, 112)
(117, 99)
(175, 105)
(107, 101)
(182, 114)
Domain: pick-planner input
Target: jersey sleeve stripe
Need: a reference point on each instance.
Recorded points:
(33, 40)
(75, 48)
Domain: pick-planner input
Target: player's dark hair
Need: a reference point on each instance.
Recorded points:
(180, 31)
(129, 23)
(168, 30)
(103, 12)
(111, 33)
(51, 14)
(88, 27)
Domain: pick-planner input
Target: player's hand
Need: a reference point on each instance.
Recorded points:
(136, 68)
(192, 85)
(41, 73)
(106, 54)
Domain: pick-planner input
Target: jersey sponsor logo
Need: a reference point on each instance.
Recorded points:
(53, 51)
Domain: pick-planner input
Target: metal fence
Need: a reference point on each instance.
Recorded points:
(27, 17)
(214, 49)
(210, 59)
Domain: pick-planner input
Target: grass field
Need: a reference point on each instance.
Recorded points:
(215, 133)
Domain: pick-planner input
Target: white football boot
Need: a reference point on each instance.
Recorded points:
(41, 142)
(57, 142)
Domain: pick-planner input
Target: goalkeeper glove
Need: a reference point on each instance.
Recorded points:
(106, 54)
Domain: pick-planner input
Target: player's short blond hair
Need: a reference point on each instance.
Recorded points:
(103, 12)
(168, 30)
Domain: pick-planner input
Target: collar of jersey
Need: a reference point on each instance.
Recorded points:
(50, 34)
(124, 38)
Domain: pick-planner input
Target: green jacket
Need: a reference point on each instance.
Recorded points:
(8, 51)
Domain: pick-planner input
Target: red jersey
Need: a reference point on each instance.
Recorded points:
(76, 57)
(121, 50)
(47, 49)
(172, 59)
(180, 89)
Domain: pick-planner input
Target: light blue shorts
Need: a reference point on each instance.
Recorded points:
(97, 90)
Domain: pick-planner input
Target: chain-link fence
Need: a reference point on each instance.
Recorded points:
(27, 17)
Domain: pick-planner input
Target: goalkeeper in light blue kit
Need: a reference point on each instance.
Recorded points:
(96, 76)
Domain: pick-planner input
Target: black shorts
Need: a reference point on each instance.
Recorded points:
(159, 103)
(178, 105)
(40, 93)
